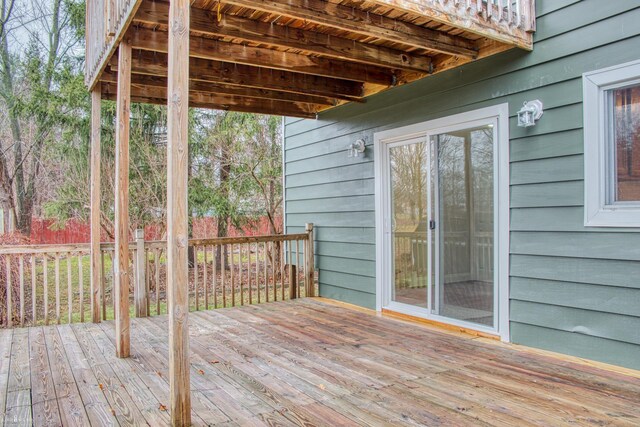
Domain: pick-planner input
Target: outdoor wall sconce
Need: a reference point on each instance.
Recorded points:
(356, 148)
(530, 112)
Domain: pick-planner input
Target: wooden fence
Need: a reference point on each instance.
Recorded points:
(51, 283)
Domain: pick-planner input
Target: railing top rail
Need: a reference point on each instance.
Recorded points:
(84, 247)
(249, 239)
(39, 249)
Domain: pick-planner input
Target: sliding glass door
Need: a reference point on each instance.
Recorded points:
(440, 210)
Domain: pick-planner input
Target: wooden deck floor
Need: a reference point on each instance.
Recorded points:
(301, 362)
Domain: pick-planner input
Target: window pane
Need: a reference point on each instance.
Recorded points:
(627, 144)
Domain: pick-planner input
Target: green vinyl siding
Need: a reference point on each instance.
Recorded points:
(573, 289)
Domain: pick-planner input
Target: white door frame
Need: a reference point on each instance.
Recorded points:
(499, 114)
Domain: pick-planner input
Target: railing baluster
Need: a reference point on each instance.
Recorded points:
(298, 267)
(305, 266)
(273, 271)
(33, 291)
(257, 252)
(57, 282)
(9, 302)
(240, 275)
(205, 281)
(223, 272)
(249, 273)
(103, 282)
(69, 291)
(45, 284)
(21, 273)
(281, 263)
(81, 287)
(195, 277)
(147, 280)
(233, 282)
(214, 275)
(265, 253)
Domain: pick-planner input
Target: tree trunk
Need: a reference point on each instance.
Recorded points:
(222, 262)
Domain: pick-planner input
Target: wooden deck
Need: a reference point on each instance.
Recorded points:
(301, 362)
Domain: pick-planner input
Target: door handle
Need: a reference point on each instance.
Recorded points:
(432, 224)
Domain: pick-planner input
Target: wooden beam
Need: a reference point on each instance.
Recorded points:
(206, 23)
(364, 23)
(158, 95)
(154, 63)
(208, 87)
(95, 162)
(479, 17)
(205, 48)
(121, 262)
(177, 217)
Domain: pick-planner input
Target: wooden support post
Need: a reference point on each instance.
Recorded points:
(9, 301)
(293, 281)
(121, 263)
(95, 267)
(309, 267)
(177, 222)
(140, 296)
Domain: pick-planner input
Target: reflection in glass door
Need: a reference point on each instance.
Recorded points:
(409, 263)
(442, 224)
(464, 212)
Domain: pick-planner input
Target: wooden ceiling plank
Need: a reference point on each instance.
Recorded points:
(204, 48)
(364, 23)
(158, 95)
(208, 87)
(237, 27)
(155, 63)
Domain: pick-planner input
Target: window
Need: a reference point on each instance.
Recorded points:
(612, 146)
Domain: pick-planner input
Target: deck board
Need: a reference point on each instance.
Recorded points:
(302, 362)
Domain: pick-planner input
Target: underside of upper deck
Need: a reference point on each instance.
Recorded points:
(302, 362)
(298, 57)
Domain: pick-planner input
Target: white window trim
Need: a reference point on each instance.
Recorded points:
(499, 112)
(597, 213)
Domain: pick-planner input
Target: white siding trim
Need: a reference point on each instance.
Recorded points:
(597, 213)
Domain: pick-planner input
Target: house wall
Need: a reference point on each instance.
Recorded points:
(573, 289)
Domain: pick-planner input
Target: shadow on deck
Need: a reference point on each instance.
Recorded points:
(302, 362)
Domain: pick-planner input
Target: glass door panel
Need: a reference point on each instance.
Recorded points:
(464, 215)
(408, 215)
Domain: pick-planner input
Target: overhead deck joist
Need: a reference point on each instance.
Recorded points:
(318, 53)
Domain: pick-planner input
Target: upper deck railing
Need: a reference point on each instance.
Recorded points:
(506, 21)
(106, 22)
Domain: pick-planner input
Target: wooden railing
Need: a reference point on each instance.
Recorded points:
(43, 284)
(106, 22)
(508, 21)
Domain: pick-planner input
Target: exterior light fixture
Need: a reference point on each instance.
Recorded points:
(530, 112)
(356, 148)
